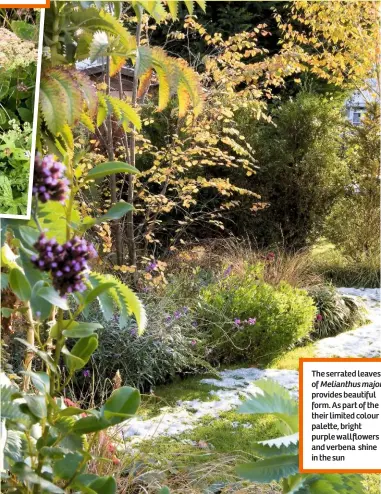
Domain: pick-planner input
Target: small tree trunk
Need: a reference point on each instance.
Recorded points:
(111, 157)
(29, 354)
(131, 179)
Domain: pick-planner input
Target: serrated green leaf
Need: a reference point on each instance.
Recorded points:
(270, 469)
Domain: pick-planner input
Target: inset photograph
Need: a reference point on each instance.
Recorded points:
(19, 77)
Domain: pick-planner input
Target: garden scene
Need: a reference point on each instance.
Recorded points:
(205, 212)
(18, 69)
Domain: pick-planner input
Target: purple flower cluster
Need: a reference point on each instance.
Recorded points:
(49, 182)
(151, 266)
(67, 263)
(251, 321)
(228, 271)
(176, 315)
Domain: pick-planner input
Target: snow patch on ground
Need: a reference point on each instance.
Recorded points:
(361, 342)
(239, 383)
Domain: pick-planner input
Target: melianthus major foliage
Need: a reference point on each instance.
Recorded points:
(278, 459)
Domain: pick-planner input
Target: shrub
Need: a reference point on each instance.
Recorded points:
(354, 222)
(15, 145)
(245, 318)
(336, 312)
(299, 170)
(169, 346)
(342, 270)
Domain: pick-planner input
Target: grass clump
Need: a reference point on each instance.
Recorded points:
(209, 453)
(336, 312)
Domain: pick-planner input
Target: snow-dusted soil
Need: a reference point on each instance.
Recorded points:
(361, 342)
(234, 384)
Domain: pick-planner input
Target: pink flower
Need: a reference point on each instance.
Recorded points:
(319, 317)
(251, 321)
(193, 342)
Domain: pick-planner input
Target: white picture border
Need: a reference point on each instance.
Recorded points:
(35, 120)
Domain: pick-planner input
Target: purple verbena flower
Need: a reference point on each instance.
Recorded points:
(227, 271)
(67, 263)
(86, 373)
(177, 314)
(151, 266)
(251, 321)
(49, 182)
(237, 321)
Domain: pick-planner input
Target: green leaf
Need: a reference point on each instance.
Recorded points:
(40, 380)
(37, 405)
(19, 284)
(43, 355)
(66, 468)
(124, 297)
(78, 332)
(122, 404)
(201, 4)
(24, 30)
(115, 212)
(270, 469)
(52, 217)
(38, 303)
(110, 168)
(164, 490)
(275, 400)
(9, 409)
(5, 312)
(86, 425)
(189, 4)
(23, 472)
(125, 113)
(4, 280)
(70, 411)
(99, 46)
(80, 353)
(97, 291)
(104, 485)
(51, 295)
(264, 450)
(27, 235)
(105, 298)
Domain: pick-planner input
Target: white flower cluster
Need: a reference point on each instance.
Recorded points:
(14, 52)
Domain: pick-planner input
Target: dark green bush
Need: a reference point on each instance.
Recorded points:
(354, 222)
(299, 169)
(168, 346)
(336, 312)
(244, 318)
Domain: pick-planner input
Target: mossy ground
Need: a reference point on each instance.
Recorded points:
(209, 453)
